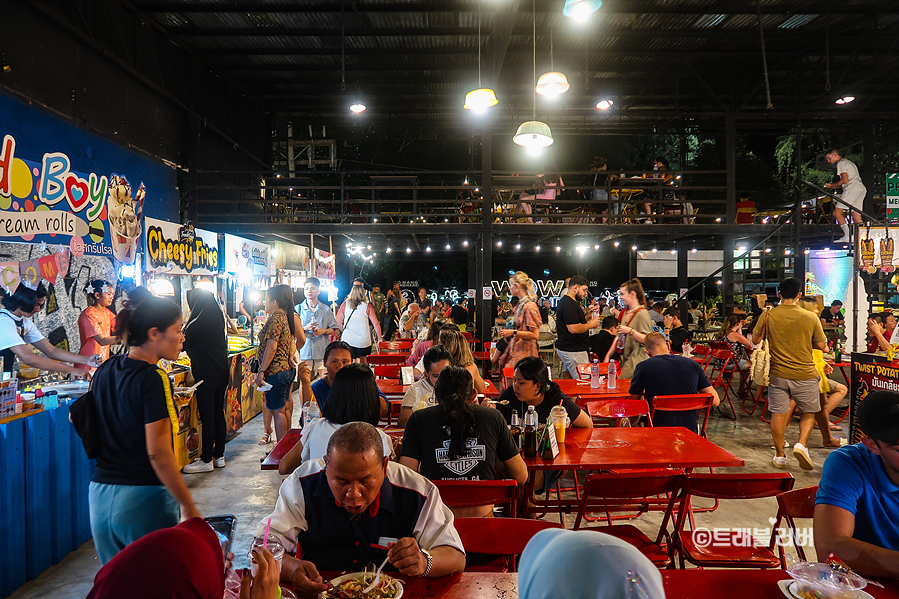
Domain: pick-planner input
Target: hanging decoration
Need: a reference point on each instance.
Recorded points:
(30, 272)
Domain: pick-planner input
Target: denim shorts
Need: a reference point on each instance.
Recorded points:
(281, 382)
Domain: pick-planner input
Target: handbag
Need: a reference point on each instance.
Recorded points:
(83, 414)
(760, 359)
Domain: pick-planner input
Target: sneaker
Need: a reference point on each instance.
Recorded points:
(800, 452)
(843, 239)
(198, 466)
(219, 462)
(780, 462)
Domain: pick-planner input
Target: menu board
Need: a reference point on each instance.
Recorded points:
(243, 256)
(180, 249)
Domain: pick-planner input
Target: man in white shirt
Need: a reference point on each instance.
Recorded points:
(17, 332)
(434, 360)
(410, 322)
(355, 507)
(854, 190)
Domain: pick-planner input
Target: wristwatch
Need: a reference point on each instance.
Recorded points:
(430, 561)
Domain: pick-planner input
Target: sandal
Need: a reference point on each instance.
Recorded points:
(266, 439)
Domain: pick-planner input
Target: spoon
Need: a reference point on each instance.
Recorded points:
(366, 590)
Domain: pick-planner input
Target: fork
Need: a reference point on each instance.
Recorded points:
(377, 578)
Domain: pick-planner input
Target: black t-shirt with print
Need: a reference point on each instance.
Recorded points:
(550, 398)
(426, 439)
(129, 394)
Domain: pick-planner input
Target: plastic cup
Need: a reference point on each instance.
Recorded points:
(274, 545)
(559, 417)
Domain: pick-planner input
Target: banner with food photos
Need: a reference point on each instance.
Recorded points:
(60, 185)
(877, 249)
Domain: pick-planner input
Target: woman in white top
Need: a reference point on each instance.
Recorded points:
(353, 398)
(354, 315)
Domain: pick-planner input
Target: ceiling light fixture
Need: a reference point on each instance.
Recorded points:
(845, 100)
(537, 248)
(465, 243)
(605, 104)
(579, 9)
(617, 243)
(558, 248)
(357, 107)
(552, 83)
(479, 100)
(534, 134)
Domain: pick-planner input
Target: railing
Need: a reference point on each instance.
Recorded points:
(395, 197)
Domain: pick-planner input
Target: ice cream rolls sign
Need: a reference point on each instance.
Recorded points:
(192, 251)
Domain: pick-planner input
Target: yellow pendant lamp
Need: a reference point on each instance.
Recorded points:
(482, 98)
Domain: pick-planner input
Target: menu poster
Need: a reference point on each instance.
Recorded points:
(325, 265)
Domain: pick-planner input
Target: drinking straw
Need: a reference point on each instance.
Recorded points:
(265, 538)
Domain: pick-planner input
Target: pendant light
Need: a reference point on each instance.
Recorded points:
(482, 98)
(552, 83)
(534, 134)
(357, 106)
(579, 9)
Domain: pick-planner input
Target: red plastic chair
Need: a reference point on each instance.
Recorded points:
(393, 413)
(731, 548)
(627, 493)
(799, 503)
(683, 403)
(475, 493)
(722, 377)
(387, 359)
(403, 345)
(505, 538)
(619, 409)
(388, 372)
(467, 334)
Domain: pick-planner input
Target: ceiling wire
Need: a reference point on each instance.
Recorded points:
(827, 47)
(479, 44)
(534, 80)
(342, 50)
(758, 4)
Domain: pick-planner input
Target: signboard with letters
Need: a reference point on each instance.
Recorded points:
(180, 249)
(243, 256)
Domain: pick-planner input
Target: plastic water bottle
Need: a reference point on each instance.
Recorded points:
(613, 375)
(312, 412)
(594, 374)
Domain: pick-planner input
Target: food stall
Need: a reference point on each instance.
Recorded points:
(179, 258)
(73, 203)
(324, 265)
(248, 272)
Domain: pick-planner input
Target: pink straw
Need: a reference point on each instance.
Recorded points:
(265, 538)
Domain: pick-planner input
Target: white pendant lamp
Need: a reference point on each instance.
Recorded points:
(553, 83)
(534, 134)
(482, 98)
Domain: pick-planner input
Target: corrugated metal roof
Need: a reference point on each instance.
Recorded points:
(653, 57)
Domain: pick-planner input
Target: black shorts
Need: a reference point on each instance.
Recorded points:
(360, 352)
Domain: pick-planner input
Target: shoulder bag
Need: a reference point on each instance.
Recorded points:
(83, 414)
(760, 359)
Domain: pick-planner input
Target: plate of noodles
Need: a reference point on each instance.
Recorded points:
(350, 586)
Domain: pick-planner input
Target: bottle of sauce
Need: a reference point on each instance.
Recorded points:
(529, 436)
(515, 429)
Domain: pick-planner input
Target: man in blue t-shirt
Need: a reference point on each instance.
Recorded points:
(337, 355)
(857, 507)
(665, 374)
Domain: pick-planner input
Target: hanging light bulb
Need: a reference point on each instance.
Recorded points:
(533, 134)
(357, 107)
(579, 9)
(479, 100)
(604, 104)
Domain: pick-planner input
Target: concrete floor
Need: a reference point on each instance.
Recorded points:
(249, 493)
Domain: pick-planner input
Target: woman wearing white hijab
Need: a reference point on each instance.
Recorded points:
(585, 565)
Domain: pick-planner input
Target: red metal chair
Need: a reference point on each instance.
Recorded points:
(760, 399)
(476, 493)
(799, 503)
(387, 359)
(388, 372)
(393, 413)
(403, 345)
(505, 538)
(702, 354)
(683, 403)
(729, 548)
(722, 375)
(619, 409)
(627, 493)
